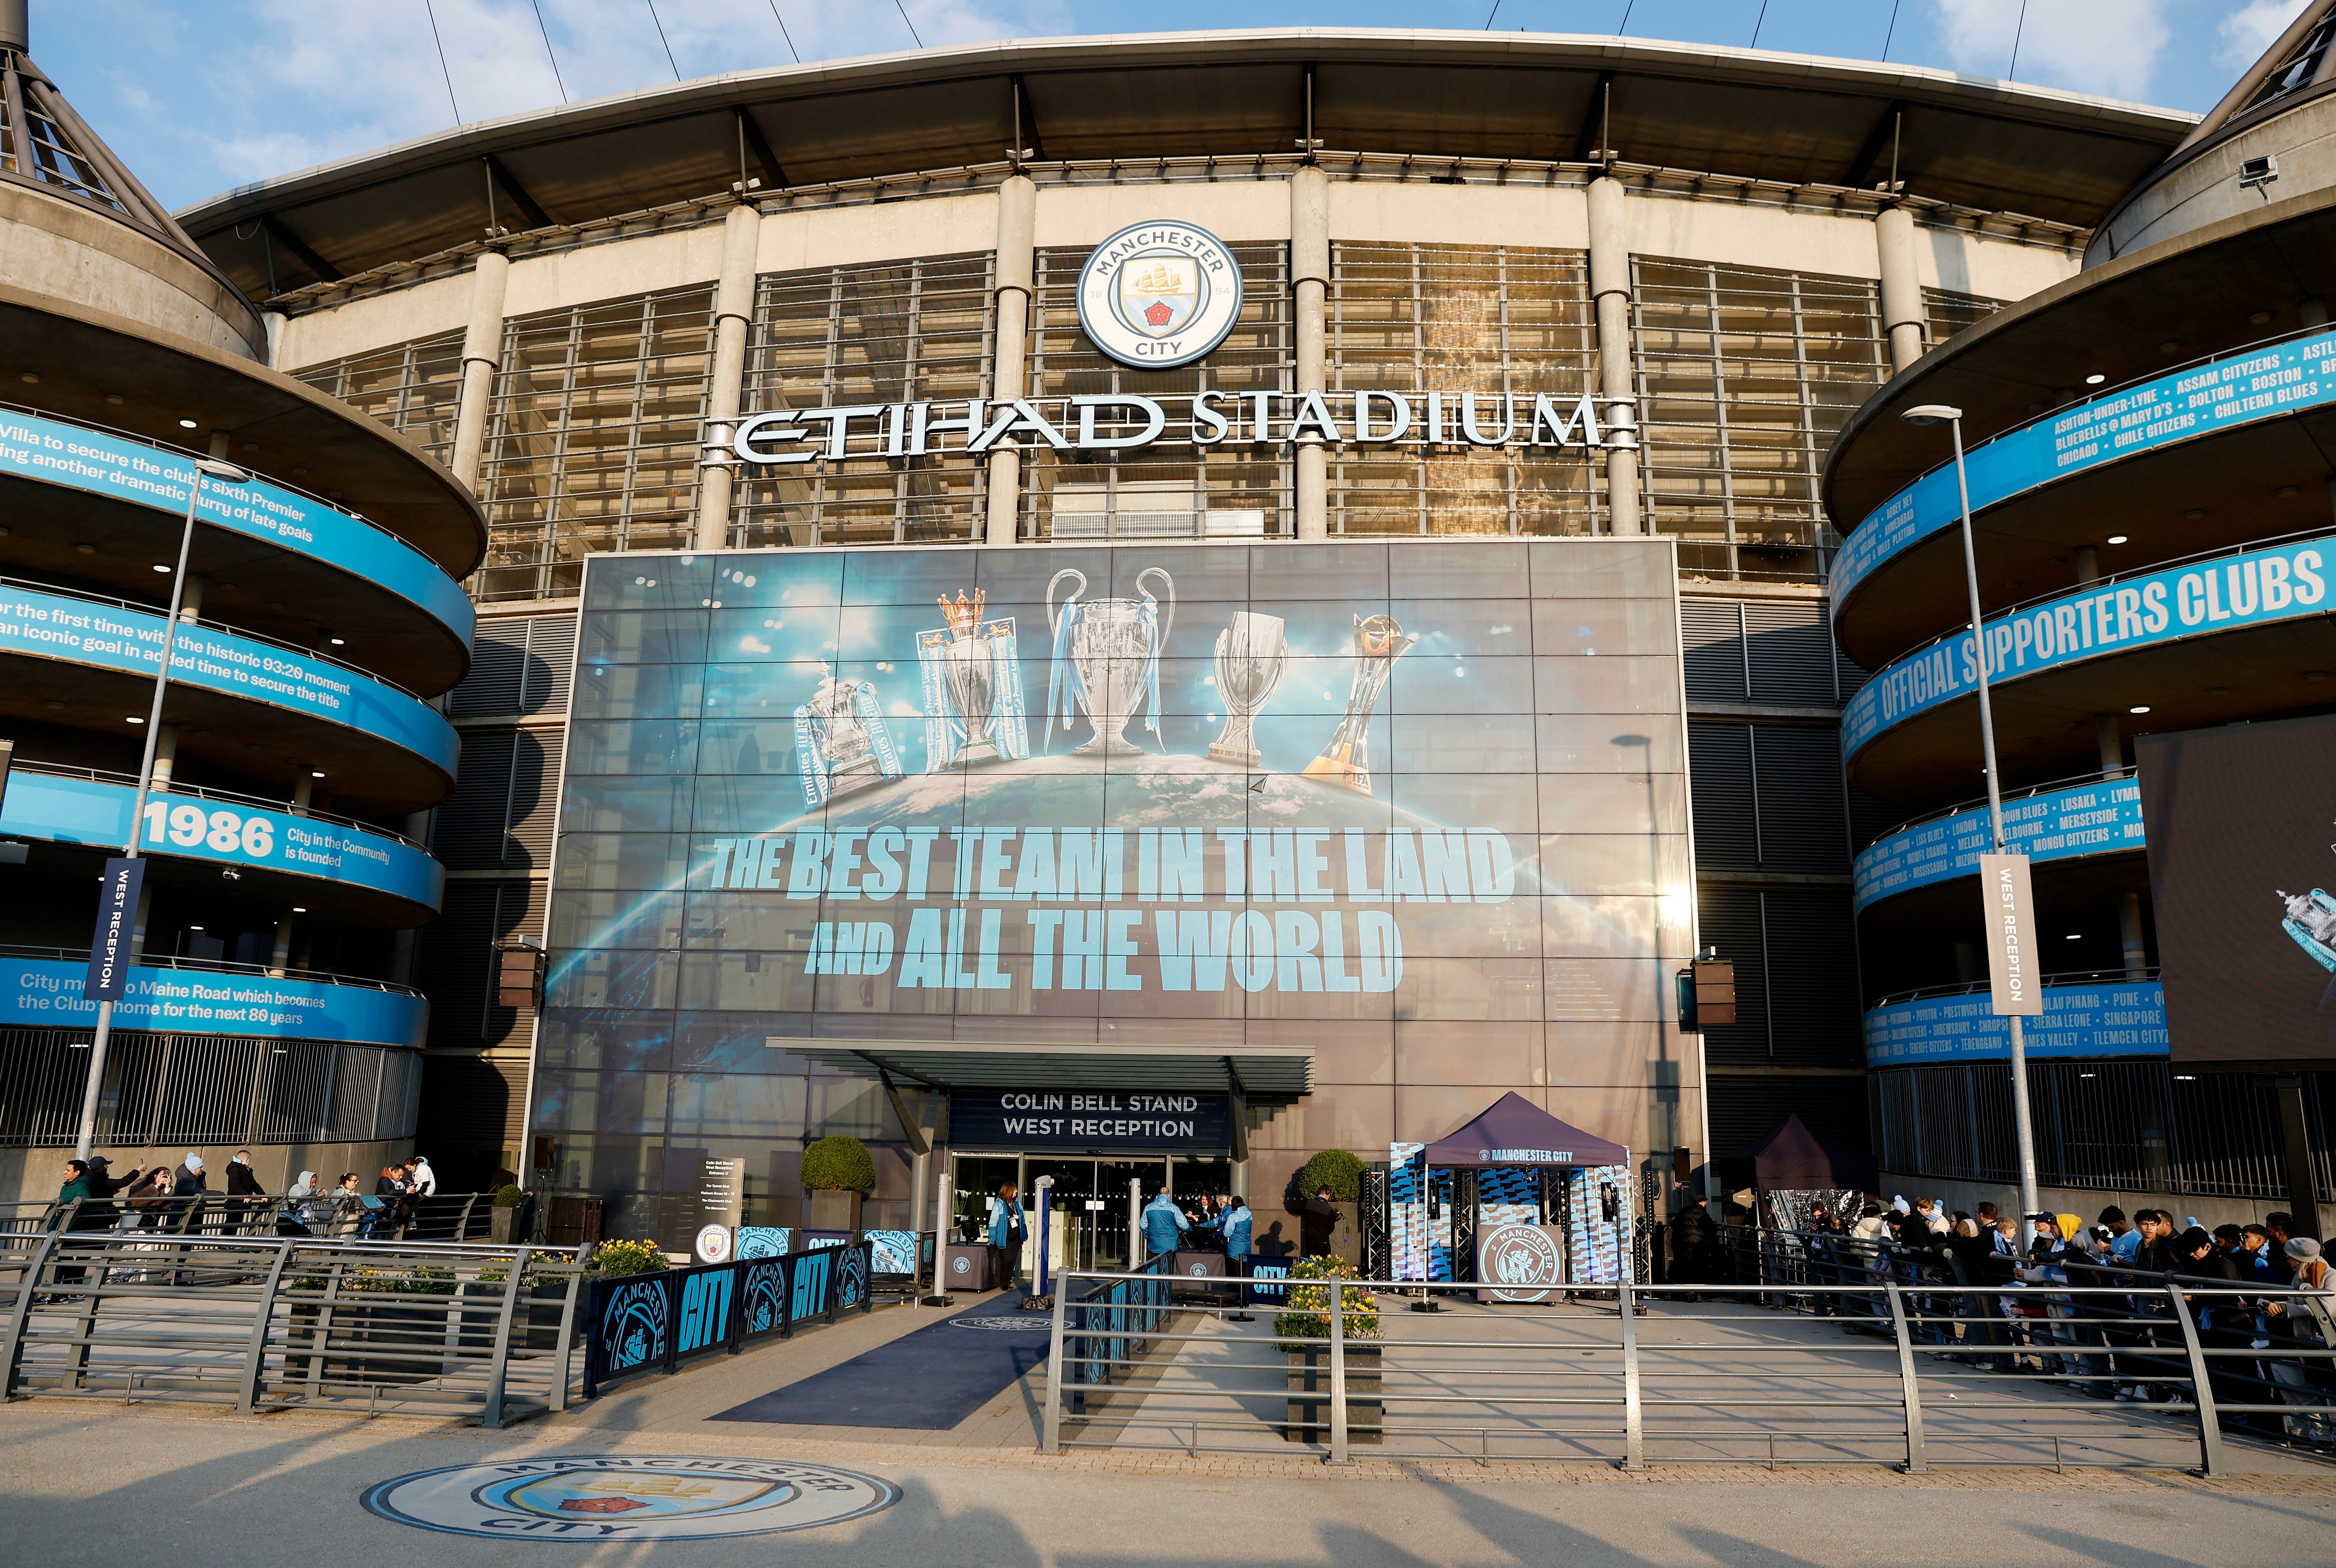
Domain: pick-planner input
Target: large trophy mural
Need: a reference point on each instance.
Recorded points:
(841, 741)
(974, 710)
(1346, 761)
(1252, 654)
(1107, 660)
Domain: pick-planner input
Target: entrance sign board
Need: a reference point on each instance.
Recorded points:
(1095, 1120)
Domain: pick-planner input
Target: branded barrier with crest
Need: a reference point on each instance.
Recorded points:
(644, 1322)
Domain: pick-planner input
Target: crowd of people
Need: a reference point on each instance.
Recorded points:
(2069, 1327)
(1196, 1222)
(181, 1199)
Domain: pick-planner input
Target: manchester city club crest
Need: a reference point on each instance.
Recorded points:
(1159, 294)
(624, 1498)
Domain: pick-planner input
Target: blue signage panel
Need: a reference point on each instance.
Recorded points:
(92, 811)
(59, 454)
(52, 625)
(46, 993)
(117, 918)
(2188, 403)
(2127, 1018)
(2058, 824)
(2289, 582)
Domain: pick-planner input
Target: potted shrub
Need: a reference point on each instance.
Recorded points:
(629, 1258)
(503, 1226)
(1306, 1315)
(1342, 1172)
(837, 1172)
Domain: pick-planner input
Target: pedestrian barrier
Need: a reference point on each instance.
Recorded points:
(1633, 1375)
(259, 1323)
(654, 1322)
(439, 1217)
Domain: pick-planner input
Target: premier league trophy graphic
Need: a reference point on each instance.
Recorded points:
(1107, 658)
(841, 741)
(968, 662)
(1346, 761)
(1252, 654)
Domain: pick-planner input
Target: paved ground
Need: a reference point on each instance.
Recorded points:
(90, 1484)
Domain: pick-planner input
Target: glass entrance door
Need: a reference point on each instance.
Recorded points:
(1108, 1226)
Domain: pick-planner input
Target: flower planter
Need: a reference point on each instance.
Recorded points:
(834, 1210)
(1310, 1394)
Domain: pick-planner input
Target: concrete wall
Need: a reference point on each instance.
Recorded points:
(67, 252)
(2205, 189)
(2085, 1202)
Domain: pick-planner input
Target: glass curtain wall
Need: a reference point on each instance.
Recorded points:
(874, 333)
(1745, 375)
(592, 439)
(1411, 318)
(1169, 488)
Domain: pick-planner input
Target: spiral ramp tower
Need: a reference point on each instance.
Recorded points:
(302, 744)
(2153, 508)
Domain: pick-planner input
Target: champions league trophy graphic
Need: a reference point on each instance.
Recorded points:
(968, 662)
(1345, 762)
(1252, 654)
(1107, 658)
(841, 741)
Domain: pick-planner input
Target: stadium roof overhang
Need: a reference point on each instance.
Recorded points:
(1798, 120)
(1267, 1071)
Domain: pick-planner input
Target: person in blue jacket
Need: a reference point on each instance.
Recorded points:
(1234, 1225)
(1005, 1234)
(1164, 1223)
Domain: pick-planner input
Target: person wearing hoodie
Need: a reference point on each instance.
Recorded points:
(1164, 1224)
(190, 1181)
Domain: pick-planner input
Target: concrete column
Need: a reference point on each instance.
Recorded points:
(1610, 289)
(1017, 271)
(2136, 953)
(166, 754)
(304, 789)
(2088, 565)
(1310, 287)
(2316, 312)
(190, 597)
(274, 322)
(2112, 744)
(482, 351)
(734, 313)
(278, 960)
(1903, 314)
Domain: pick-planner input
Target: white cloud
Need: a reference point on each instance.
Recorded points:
(2252, 29)
(2108, 47)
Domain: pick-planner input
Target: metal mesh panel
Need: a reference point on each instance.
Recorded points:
(1745, 376)
(357, 1089)
(1411, 318)
(202, 1090)
(296, 1093)
(411, 387)
(207, 1089)
(860, 335)
(592, 440)
(1946, 312)
(1169, 489)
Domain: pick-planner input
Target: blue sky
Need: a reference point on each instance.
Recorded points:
(202, 95)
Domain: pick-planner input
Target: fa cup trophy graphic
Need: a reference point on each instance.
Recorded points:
(1346, 762)
(1252, 654)
(841, 741)
(969, 662)
(1107, 659)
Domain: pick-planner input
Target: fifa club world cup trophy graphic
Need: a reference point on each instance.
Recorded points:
(1252, 654)
(1346, 761)
(1107, 659)
(968, 662)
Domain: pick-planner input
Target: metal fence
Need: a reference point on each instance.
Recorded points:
(1790, 1370)
(439, 1217)
(262, 1324)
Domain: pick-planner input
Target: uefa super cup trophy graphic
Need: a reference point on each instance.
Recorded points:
(1346, 762)
(972, 684)
(841, 737)
(1107, 658)
(1252, 654)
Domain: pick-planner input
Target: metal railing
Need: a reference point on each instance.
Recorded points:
(262, 1324)
(1636, 1376)
(198, 792)
(458, 1217)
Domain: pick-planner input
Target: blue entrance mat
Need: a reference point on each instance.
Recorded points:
(927, 1381)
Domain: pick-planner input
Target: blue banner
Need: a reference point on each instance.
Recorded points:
(2289, 582)
(84, 631)
(117, 915)
(2176, 407)
(66, 454)
(2124, 1019)
(2058, 824)
(90, 812)
(46, 993)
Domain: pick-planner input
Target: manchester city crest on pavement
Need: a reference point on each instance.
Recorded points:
(613, 1497)
(1159, 294)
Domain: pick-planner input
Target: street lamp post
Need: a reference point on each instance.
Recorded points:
(2025, 1126)
(224, 474)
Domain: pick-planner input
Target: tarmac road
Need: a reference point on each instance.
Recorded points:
(91, 1484)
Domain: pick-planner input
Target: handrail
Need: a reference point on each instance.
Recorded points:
(163, 612)
(109, 777)
(2085, 590)
(217, 966)
(2029, 792)
(2137, 976)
